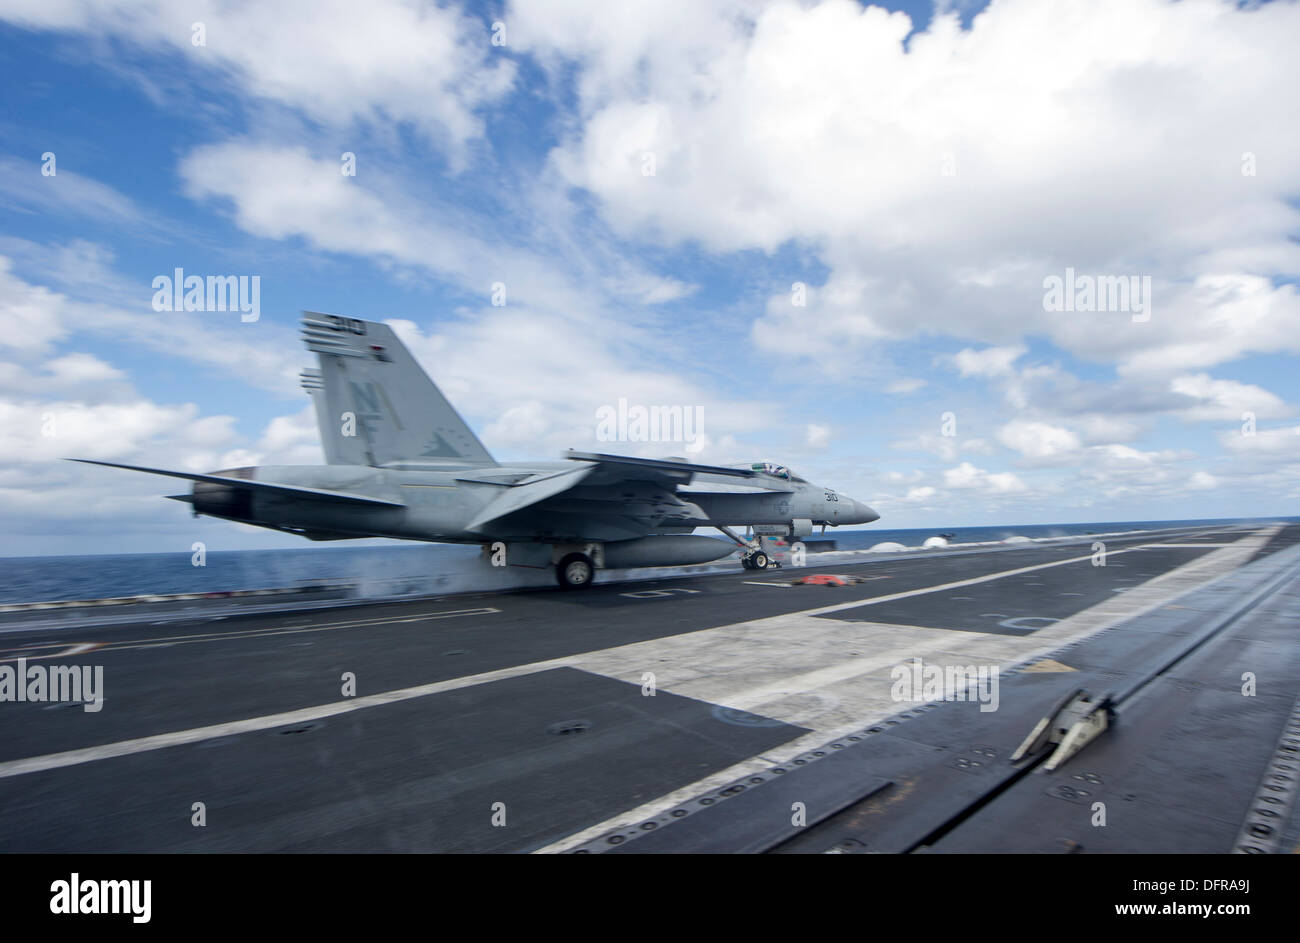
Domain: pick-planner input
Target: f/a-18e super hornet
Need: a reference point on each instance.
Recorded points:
(403, 464)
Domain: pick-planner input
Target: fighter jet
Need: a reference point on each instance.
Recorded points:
(403, 464)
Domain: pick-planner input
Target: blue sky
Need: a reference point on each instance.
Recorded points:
(921, 171)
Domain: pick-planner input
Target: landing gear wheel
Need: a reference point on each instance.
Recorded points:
(759, 561)
(747, 563)
(575, 571)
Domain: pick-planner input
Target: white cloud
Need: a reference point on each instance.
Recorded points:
(25, 189)
(905, 386)
(291, 440)
(86, 409)
(1283, 442)
(32, 315)
(1037, 439)
(989, 362)
(780, 122)
(944, 447)
(431, 67)
(1097, 428)
(967, 475)
(1116, 470)
(282, 192)
(505, 368)
(1226, 399)
(82, 368)
(37, 431)
(1123, 454)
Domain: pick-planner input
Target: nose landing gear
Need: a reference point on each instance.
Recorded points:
(752, 556)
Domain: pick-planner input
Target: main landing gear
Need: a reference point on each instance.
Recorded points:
(575, 571)
(757, 560)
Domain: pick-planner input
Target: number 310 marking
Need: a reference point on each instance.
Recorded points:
(347, 324)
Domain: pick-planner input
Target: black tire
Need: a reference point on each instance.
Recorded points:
(745, 562)
(575, 571)
(759, 561)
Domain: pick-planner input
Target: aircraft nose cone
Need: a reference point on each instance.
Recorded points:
(864, 514)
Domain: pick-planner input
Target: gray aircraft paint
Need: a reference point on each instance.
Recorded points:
(413, 469)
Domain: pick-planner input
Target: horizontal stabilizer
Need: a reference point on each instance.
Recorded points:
(296, 491)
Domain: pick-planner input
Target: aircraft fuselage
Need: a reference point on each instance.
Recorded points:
(441, 505)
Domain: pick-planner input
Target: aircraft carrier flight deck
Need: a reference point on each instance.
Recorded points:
(728, 712)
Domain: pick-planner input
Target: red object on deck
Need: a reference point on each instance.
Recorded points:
(823, 579)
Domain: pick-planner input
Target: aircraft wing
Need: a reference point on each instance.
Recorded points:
(666, 471)
(632, 467)
(524, 493)
(293, 491)
(595, 469)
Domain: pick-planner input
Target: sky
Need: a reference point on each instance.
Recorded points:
(829, 229)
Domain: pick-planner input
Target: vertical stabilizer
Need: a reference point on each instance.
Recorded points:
(374, 403)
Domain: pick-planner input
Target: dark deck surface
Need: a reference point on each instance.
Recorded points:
(467, 702)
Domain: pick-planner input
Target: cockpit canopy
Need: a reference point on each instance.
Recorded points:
(776, 471)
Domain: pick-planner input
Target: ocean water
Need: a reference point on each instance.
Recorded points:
(385, 570)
